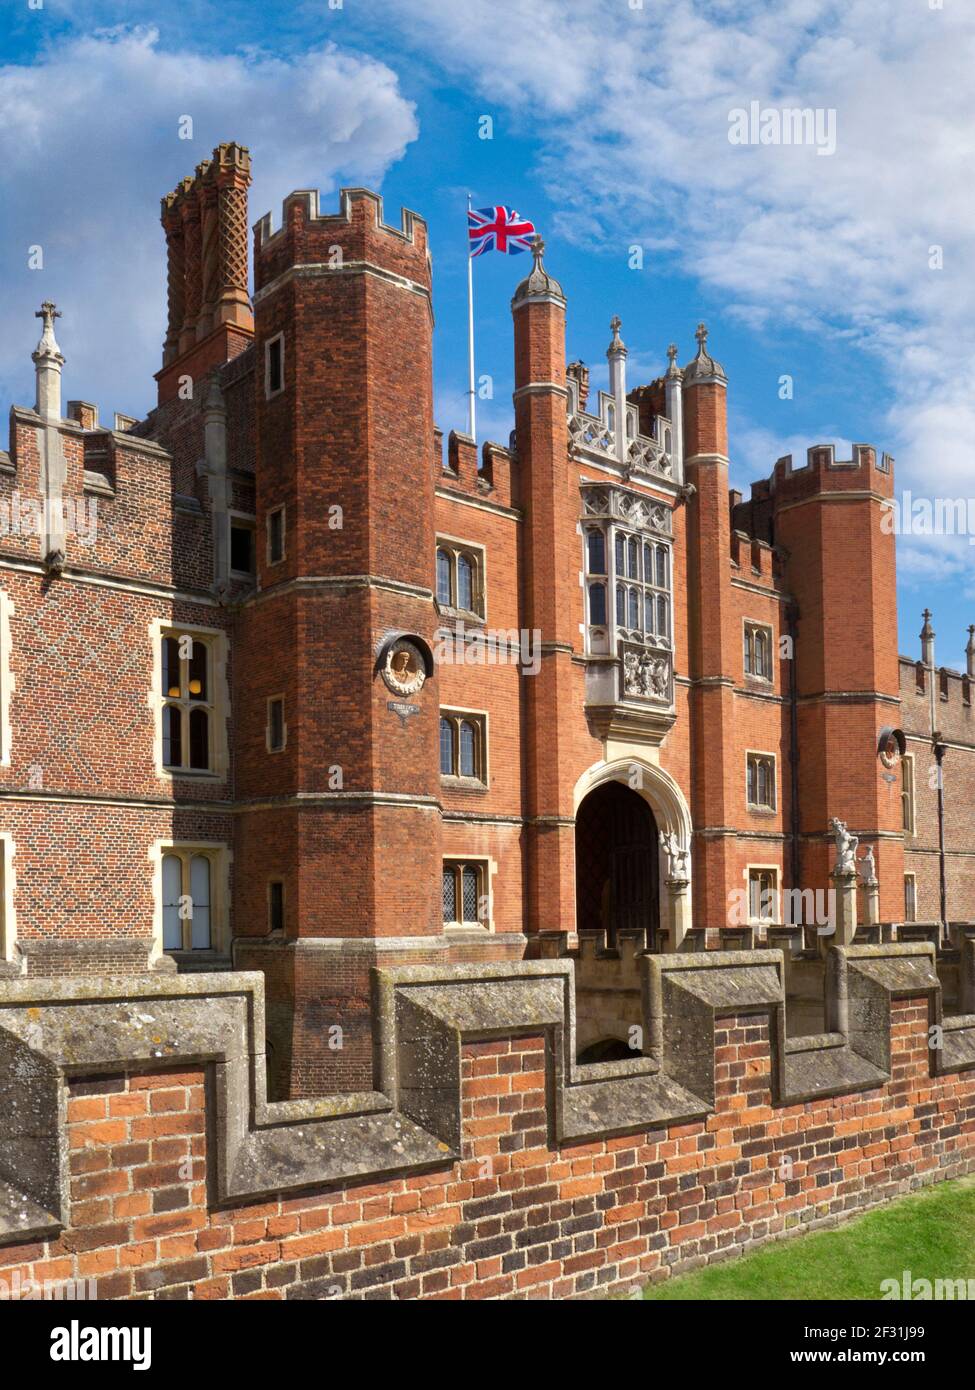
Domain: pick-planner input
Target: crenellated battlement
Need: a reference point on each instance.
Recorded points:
(952, 688)
(491, 481)
(824, 472)
(704, 1098)
(356, 233)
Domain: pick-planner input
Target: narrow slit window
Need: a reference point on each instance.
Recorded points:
(275, 724)
(275, 905)
(275, 536)
(274, 365)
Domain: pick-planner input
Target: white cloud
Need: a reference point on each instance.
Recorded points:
(632, 108)
(88, 145)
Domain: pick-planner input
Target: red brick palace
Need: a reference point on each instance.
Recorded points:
(288, 685)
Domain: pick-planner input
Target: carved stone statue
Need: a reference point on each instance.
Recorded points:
(645, 674)
(678, 858)
(846, 847)
(868, 867)
(631, 673)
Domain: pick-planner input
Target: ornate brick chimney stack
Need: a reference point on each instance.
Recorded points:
(210, 319)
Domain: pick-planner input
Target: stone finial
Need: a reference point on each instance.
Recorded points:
(48, 360)
(672, 367)
(617, 345)
(48, 343)
(539, 284)
(927, 639)
(703, 367)
(970, 651)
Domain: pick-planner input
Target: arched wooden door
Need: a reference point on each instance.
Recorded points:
(617, 863)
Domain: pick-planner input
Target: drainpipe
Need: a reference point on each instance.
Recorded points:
(792, 619)
(939, 753)
(938, 748)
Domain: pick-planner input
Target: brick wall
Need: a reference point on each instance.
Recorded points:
(514, 1217)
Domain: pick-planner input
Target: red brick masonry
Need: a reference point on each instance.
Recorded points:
(515, 1216)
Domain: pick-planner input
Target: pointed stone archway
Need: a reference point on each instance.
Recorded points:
(671, 818)
(617, 864)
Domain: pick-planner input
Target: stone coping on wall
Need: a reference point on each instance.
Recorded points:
(52, 1031)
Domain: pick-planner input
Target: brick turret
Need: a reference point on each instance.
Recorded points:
(344, 422)
(713, 640)
(828, 516)
(551, 589)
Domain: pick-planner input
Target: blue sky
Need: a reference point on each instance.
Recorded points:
(610, 129)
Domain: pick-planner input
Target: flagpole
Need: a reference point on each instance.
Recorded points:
(471, 419)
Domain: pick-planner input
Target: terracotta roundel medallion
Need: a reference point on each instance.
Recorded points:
(404, 670)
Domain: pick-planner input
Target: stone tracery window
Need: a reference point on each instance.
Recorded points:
(460, 577)
(187, 901)
(628, 588)
(761, 781)
(463, 745)
(758, 651)
(464, 892)
(187, 702)
(640, 584)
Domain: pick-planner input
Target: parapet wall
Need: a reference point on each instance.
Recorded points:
(137, 1147)
(356, 235)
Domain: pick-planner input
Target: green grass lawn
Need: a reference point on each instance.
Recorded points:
(932, 1234)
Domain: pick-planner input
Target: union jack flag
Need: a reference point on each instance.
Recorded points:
(498, 229)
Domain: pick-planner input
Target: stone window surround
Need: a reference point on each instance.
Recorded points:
(750, 626)
(908, 795)
(249, 520)
(7, 681)
(610, 529)
(774, 870)
(281, 510)
(477, 555)
(221, 856)
(267, 725)
(8, 918)
(284, 900)
(485, 867)
(756, 807)
(269, 343)
(216, 639)
(910, 878)
(480, 719)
